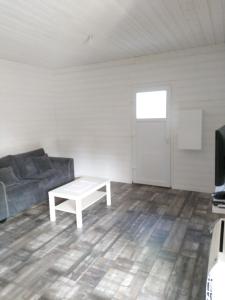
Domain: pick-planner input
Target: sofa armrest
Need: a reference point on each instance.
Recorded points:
(64, 163)
(4, 211)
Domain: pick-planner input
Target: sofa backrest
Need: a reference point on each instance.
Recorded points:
(6, 161)
(37, 152)
(17, 161)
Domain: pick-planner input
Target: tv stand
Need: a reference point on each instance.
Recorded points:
(218, 202)
(218, 210)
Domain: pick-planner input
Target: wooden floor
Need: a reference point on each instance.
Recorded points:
(153, 243)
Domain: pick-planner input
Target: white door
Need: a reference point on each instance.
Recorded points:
(151, 147)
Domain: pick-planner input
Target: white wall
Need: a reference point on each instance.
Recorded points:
(94, 109)
(26, 106)
(86, 112)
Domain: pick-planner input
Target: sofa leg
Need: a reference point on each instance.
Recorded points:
(3, 221)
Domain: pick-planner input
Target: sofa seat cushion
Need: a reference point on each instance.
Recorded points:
(22, 195)
(50, 179)
(7, 176)
(22, 184)
(43, 175)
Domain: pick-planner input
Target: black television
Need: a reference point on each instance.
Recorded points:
(220, 157)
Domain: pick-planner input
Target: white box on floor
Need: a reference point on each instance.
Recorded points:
(218, 210)
(216, 266)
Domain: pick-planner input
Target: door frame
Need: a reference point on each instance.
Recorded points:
(152, 88)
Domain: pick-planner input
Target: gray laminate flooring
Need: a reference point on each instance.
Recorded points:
(153, 243)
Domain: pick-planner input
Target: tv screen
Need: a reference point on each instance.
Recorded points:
(220, 157)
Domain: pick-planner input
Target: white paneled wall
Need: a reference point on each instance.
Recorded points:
(86, 112)
(26, 118)
(94, 112)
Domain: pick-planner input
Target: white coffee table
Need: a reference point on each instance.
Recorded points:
(80, 194)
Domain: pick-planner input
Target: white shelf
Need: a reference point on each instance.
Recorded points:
(70, 205)
(67, 206)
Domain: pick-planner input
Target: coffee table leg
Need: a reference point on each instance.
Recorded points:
(108, 193)
(79, 214)
(52, 208)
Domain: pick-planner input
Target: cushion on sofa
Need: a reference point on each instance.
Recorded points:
(7, 176)
(8, 161)
(42, 163)
(25, 164)
(64, 165)
(5, 161)
(28, 168)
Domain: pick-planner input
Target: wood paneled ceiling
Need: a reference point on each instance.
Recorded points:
(62, 33)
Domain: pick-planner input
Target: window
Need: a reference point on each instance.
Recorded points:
(151, 105)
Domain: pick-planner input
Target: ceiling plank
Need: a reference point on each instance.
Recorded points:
(217, 19)
(205, 20)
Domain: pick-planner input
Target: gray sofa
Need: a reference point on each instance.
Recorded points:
(26, 178)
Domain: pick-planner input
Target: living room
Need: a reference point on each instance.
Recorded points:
(70, 87)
